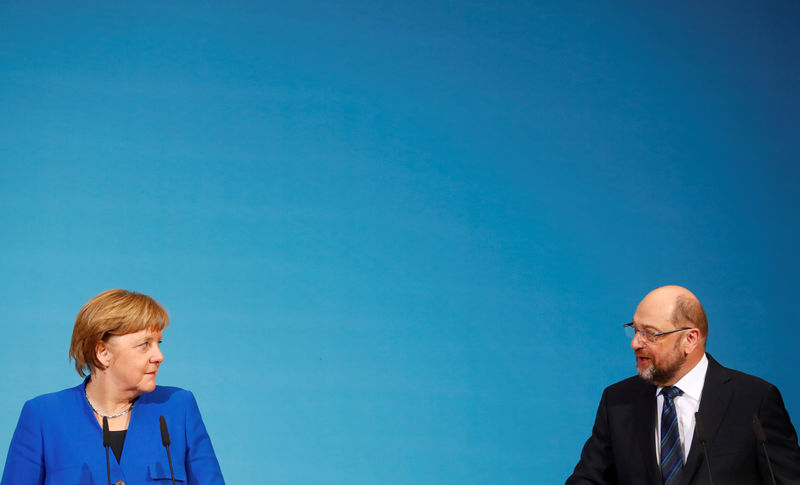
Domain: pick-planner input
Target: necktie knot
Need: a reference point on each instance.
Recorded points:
(671, 392)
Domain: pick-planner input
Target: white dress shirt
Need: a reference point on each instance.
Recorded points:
(686, 405)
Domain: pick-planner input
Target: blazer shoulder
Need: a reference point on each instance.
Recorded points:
(739, 378)
(169, 394)
(750, 381)
(170, 391)
(633, 384)
(58, 398)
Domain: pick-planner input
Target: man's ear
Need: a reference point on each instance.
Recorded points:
(692, 340)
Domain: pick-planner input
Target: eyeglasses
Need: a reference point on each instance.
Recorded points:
(648, 335)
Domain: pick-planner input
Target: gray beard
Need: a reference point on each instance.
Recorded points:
(661, 375)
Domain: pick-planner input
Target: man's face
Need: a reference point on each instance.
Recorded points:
(660, 361)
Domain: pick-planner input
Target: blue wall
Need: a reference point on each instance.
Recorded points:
(398, 240)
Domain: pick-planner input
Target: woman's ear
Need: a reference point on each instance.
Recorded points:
(103, 353)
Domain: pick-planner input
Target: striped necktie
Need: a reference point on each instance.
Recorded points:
(671, 452)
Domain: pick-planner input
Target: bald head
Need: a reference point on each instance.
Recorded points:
(676, 315)
(677, 305)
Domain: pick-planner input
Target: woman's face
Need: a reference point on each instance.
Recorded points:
(134, 360)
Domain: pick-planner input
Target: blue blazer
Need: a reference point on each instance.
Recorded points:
(58, 441)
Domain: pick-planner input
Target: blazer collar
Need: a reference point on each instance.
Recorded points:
(713, 406)
(645, 417)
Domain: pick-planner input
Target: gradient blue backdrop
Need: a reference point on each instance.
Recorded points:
(398, 240)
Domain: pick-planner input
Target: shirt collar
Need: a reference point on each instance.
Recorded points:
(692, 383)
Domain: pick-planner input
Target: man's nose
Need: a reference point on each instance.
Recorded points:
(637, 342)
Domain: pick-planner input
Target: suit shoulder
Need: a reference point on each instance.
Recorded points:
(169, 394)
(634, 383)
(625, 389)
(170, 390)
(748, 381)
(55, 398)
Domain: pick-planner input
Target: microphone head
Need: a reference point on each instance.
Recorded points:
(760, 436)
(106, 433)
(164, 432)
(700, 428)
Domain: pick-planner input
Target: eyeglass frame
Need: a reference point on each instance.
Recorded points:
(650, 336)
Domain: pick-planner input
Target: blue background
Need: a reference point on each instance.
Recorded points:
(398, 240)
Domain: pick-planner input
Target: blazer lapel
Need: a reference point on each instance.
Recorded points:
(645, 409)
(713, 405)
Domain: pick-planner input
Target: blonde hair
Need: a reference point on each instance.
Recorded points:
(112, 312)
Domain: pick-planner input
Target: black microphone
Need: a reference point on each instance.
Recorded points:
(107, 444)
(762, 438)
(702, 437)
(165, 442)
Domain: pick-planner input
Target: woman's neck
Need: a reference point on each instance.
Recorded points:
(107, 398)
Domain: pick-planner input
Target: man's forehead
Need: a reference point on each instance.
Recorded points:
(653, 312)
(643, 323)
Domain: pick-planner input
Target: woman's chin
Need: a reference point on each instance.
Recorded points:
(149, 385)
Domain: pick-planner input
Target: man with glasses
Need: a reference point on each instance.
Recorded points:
(646, 431)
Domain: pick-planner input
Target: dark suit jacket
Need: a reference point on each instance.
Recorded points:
(622, 450)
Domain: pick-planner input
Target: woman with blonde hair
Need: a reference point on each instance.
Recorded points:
(60, 437)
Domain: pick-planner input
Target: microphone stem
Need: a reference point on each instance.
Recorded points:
(708, 463)
(169, 459)
(108, 467)
(769, 463)
(700, 431)
(762, 438)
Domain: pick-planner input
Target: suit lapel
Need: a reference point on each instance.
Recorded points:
(645, 431)
(713, 405)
